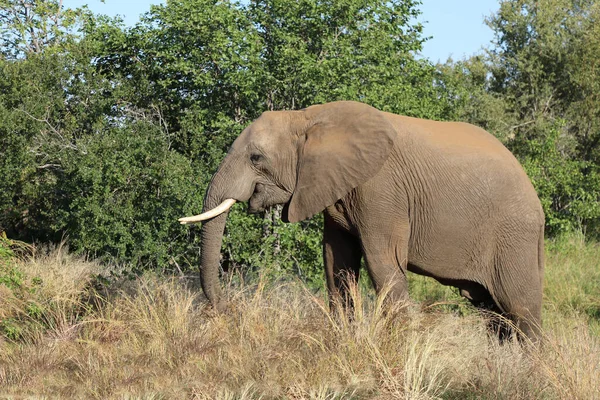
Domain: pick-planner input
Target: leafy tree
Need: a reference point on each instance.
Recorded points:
(31, 26)
(121, 198)
(472, 99)
(318, 51)
(78, 160)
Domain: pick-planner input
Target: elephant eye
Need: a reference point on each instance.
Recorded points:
(255, 158)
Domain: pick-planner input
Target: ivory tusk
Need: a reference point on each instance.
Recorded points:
(220, 209)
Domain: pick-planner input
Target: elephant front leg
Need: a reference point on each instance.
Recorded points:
(387, 261)
(342, 255)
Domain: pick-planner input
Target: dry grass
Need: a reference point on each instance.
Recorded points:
(153, 338)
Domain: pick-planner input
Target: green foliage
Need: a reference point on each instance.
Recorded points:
(469, 86)
(10, 276)
(33, 26)
(286, 250)
(84, 163)
(6, 253)
(14, 284)
(120, 197)
(568, 188)
(537, 68)
(10, 252)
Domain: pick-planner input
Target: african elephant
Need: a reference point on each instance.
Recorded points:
(441, 199)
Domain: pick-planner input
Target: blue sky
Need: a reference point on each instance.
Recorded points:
(456, 26)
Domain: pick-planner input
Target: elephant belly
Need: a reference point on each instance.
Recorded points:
(453, 257)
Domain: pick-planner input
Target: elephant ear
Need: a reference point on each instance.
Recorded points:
(346, 145)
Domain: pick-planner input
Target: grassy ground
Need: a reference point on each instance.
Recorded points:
(66, 335)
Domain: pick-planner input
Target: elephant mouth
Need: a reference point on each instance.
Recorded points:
(266, 196)
(255, 203)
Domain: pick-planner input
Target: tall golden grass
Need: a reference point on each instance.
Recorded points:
(154, 338)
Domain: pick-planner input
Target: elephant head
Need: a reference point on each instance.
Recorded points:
(306, 160)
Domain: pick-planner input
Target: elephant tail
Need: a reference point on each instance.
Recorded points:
(541, 256)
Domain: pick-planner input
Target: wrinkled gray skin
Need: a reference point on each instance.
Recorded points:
(441, 199)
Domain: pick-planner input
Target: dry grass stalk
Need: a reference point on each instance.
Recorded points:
(154, 338)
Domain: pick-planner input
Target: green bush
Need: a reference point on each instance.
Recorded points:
(266, 245)
(569, 189)
(10, 276)
(120, 198)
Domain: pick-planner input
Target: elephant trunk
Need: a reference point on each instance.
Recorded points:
(228, 185)
(219, 197)
(212, 238)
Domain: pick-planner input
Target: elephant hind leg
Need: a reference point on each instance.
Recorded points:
(517, 288)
